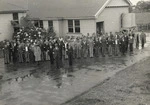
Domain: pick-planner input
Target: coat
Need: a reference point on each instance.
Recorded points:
(143, 37)
(37, 53)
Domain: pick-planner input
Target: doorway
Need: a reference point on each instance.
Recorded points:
(100, 28)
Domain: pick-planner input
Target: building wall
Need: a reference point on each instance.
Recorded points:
(112, 18)
(86, 26)
(20, 15)
(56, 27)
(6, 29)
(45, 24)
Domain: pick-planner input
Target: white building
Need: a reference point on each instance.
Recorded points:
(77, 17)
(8, 13)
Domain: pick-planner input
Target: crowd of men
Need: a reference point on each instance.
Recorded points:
(56, 49)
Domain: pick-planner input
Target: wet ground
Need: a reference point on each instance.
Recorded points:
(128, 87)
(29, 84)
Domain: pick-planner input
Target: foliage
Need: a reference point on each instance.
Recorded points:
(51, 32)
(25, 22)
(142, 6)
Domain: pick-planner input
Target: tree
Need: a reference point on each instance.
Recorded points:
(51, 32)
(142, 6)
(25, 22)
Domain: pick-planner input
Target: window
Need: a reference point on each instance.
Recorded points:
(77, 26)
(74, 26)
(70, 25)
(50, 24)
(38, 23)
(41, 23)
(15, 16)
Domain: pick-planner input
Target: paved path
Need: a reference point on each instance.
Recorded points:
(28, 84)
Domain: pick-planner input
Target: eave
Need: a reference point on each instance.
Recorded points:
(13, 11)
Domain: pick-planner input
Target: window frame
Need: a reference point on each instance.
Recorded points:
(39, 23)
(77, 25)
(73, 26)
(15, 17)
(50, 24)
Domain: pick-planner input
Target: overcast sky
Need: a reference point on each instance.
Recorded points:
(135, 1)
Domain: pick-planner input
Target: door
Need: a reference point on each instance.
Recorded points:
(100, 28)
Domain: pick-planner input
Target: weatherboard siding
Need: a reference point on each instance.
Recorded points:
(6, 29)
(112, 18)
(45, 24)
(86, 26)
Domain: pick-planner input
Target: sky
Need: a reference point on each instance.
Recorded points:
(135, 1)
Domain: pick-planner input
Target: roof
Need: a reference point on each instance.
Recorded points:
(64, 8)
(142, 18)
(9, 8)
(45, 9)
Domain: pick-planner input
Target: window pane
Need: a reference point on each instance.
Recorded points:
(77, 23)
(77, 29)
(41, 23)
(50, 23)
(70, 23)
(15, 16)
(70, 29)
(36, 23)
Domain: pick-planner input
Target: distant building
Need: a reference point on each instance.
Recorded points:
(9, 14)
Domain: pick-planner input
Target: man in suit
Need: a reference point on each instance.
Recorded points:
(143, 39)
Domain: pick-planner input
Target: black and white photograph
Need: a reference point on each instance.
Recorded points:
(74, 52)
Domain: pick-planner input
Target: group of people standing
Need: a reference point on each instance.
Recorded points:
(69, 48)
